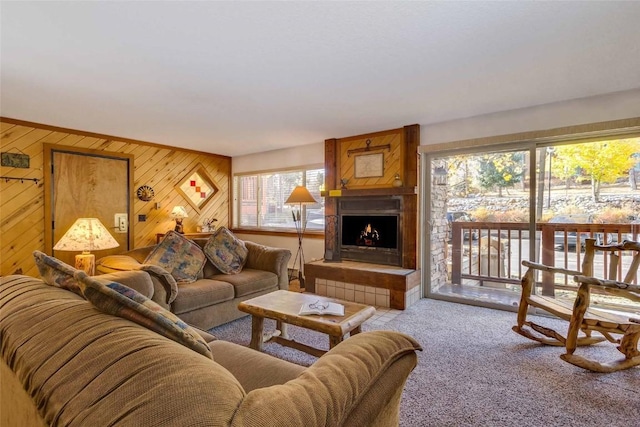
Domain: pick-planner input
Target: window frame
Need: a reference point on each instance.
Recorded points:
(258, 179)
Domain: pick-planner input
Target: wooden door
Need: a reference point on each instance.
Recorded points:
(87, 184)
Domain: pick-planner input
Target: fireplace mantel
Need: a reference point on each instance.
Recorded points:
(393, 191)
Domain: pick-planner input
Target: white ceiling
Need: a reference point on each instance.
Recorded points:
(235, 78)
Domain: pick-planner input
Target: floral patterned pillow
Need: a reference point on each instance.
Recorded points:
(56, 273)
(181, 257)
(119, 300)
(226, 251)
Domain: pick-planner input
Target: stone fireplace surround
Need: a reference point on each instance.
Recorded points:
(386, 277)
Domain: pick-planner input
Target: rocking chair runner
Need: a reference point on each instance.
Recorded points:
(581, 316)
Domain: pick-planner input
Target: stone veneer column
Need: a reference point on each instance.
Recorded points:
(439, 234)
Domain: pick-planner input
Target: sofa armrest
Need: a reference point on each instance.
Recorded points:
(137, 280)
(266, 258)
(165, 288)
(358, 382)
(140, 254)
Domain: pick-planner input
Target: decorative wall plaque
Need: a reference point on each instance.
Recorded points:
(369, 165)
(145, 193)
(197, 188)
(15, 160)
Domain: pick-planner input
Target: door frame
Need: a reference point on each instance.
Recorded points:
(48, 150)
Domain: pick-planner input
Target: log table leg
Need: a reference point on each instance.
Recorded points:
(334, 340)
(282, 327)
(257, 324)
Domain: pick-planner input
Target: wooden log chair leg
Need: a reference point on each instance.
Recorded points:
(526, 284)
(579, 309)
(553, 338)
(628, 345)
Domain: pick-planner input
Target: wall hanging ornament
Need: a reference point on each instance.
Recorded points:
(145, 193)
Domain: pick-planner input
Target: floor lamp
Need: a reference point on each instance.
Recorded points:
(300, 196)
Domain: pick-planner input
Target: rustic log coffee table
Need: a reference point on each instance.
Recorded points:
(284, 306)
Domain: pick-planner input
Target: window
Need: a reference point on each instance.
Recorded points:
(260, 198)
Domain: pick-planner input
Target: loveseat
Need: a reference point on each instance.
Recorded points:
(66, 363)
(213, 298)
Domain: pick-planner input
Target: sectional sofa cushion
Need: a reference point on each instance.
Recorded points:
(56, 273)
(250, 281)
(181, 257)
(119, 300)
(203, 293)
(226, 252)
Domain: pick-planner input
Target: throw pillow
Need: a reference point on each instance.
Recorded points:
(56, 273)
(119, 300)
(181, 257)
(226, 251)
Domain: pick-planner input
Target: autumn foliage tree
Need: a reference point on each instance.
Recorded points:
(603, 162)
(501, 170)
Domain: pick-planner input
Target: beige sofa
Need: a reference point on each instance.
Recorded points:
(213, 299)
(65, 363)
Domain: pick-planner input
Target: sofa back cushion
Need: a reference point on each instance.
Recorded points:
(181, 257)
(119, 300)
(226, 252)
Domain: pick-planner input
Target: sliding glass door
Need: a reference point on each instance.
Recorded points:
(488, 209)
(480, 211)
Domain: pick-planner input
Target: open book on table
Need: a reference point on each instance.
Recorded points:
(322, 307)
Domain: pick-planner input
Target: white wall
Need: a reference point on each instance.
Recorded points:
(614, 106)
(280, 159)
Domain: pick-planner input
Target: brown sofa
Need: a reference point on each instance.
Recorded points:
(65, 363)
(213, 299)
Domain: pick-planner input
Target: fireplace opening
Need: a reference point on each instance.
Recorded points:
(375, 231)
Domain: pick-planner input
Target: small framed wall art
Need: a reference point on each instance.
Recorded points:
(369, 165)
(197, 188)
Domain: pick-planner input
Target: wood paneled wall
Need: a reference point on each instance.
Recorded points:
(22, 219)
(393, 158)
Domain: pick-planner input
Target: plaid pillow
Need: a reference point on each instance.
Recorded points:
(56, 273)
(181, 257)
(119, 300)
(226, 251)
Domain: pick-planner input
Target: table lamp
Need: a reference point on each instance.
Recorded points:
(86, 234)
(179, 213)
(300, 196)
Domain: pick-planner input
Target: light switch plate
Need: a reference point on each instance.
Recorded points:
(121, 223)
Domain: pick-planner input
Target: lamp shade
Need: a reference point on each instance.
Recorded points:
(179, 212)
(300, 195)
(86, 234)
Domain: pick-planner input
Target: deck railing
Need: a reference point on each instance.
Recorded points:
(491, 253)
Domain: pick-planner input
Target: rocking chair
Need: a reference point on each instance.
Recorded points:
(583, 317)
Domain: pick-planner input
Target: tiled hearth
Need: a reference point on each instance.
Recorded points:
(372, 284)
(362, 294)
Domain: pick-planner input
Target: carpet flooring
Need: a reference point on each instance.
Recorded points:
(475, 371)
